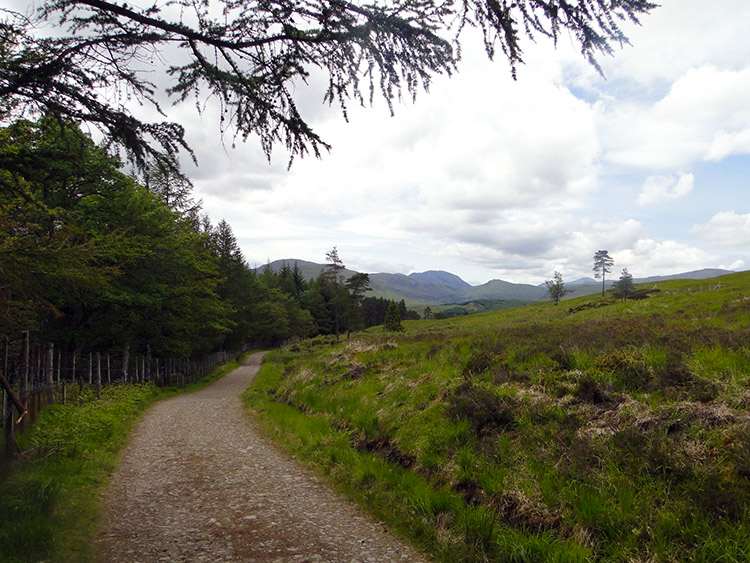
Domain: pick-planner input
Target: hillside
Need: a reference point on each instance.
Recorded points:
(436, 287)
(595, 431)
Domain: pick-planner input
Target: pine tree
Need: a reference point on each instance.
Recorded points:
(603, 263)
(393, 319)
(252, 56)
(625, 284)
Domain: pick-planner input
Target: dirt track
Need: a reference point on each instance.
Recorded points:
(199, 481)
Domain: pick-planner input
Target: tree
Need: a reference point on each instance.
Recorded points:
(625, 284)
(603, 263)
(252, 55)
(556, 287)
(357, 285)
(333, 270)
(393, 319)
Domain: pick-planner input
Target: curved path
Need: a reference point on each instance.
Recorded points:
(199, 481)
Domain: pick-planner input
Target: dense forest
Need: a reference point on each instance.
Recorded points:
(92, 258)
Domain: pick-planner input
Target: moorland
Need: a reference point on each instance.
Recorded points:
(595, 430)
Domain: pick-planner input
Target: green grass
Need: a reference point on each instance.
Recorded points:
(49, 494)
(593, 430)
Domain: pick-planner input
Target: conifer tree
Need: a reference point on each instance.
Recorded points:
(603, 263)
(625, 284)
(252, 55)
(393, 319)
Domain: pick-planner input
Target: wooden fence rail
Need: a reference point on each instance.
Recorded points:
(33, 375)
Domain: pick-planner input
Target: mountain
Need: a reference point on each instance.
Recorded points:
(499, 289)
(439, 276)
(437, 287)
(414, 289)
(310, 270)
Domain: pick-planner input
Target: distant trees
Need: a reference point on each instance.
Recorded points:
(556, 287)
(603, 263)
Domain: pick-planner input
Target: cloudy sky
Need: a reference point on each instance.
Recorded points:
(490, 178)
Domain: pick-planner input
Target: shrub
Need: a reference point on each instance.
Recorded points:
(483, 409)
(590, 391)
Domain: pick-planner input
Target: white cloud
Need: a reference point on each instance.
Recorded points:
(505, 179)
(648, 257)
(702, 110)
(664, 188)
(727, 228)
(678, 36)
(728, 143)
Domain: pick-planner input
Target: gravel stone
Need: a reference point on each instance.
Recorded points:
(199, 481)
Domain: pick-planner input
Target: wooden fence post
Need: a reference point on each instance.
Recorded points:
(50, 373)
(148, 361)
(98, 375)
(125, 361)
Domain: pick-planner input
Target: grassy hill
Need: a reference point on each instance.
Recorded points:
(616, 432)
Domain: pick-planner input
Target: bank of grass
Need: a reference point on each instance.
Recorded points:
(49, 494)
(596, 430)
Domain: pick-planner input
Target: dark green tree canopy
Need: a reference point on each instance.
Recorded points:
(393, 319)
(624, 286)
(252, 55)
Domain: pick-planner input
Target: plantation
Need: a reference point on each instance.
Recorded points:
(593, 430)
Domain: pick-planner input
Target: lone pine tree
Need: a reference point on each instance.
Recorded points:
(603, 263)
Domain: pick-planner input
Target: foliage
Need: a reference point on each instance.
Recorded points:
(614, 433)
(251, 57)
(95, 262)
(624, 286)
(393, 319)
(556, 287)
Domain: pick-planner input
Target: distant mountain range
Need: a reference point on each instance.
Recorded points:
(436, 287)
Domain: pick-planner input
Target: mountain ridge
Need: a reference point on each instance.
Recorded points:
(439, 287)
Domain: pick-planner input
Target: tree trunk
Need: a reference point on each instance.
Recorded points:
(24, 386)
(50, 373)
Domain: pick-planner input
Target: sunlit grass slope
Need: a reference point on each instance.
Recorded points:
(594, 430)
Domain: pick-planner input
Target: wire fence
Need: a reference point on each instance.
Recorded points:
(33, 375)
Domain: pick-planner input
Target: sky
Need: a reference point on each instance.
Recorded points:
(490, 178)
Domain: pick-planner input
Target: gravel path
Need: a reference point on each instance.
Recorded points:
(199, 481)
